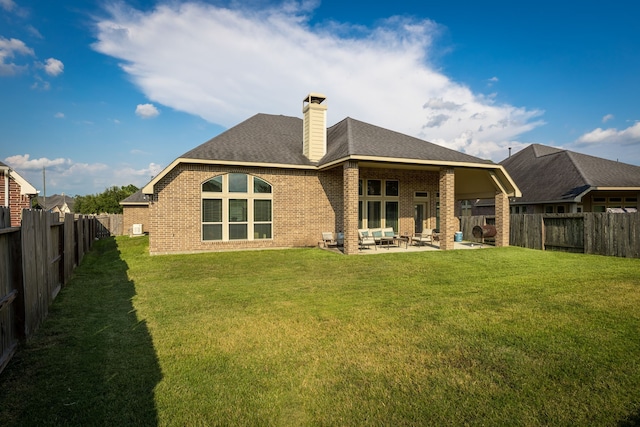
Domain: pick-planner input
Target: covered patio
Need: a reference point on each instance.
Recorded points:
(408, 247)
(413, 197)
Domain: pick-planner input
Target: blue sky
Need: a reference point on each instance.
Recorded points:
(103, 93)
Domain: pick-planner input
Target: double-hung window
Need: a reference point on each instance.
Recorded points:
(236, 206)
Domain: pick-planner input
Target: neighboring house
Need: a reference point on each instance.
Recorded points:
(135, 210)
(15, 193)
(275, 181)
(57, 203)
(553, 180)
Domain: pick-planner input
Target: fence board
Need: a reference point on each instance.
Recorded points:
(610, 234)
(69, 247)
(37, 259)
(109, 225)
(8, 332)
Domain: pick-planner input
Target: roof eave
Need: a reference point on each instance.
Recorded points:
(498, 173)
(148, 189)
(25, 187)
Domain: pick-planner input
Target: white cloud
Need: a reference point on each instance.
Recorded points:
(59, 115)
(7, 5)
(54, 67)
(9, 48)
(23, 162)
(606, 118)
(146, 111)
(69, 177)
(12, 7)
(226, 65)
(611, 136)
(611, 143)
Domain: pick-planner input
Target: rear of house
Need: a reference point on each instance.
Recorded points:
(277, 181)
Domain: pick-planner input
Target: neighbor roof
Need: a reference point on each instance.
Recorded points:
(56, 200)
(137, 198)
(547, 174)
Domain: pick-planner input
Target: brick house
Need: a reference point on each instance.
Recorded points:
(554, 180)
(135, 210)
(15, 193)
(275, 181)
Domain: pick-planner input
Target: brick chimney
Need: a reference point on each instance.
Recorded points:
(314, 140)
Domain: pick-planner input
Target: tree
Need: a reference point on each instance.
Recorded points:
(106, 202)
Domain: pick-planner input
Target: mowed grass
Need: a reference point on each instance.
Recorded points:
(501, 336)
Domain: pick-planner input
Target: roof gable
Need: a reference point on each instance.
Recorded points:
(25, 187)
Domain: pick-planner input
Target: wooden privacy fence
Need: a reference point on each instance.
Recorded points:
(611, 234)
(37, 259)
(109, 225)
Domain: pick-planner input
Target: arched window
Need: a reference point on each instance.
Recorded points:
(236, 206)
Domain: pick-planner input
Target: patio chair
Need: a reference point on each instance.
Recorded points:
(423, 238)
(366, 239)
(327, 239)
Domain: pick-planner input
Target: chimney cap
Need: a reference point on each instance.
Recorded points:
(314, 98)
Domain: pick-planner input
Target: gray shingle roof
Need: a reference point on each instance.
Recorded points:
(137, 198)
(266, 138)
(550, 174)
(262, 138)
(353, 137)
(56, 200)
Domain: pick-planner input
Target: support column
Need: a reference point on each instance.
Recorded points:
(502, 219)
(350, 175)
(448, 221)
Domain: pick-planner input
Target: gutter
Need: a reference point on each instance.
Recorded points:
(497, 172)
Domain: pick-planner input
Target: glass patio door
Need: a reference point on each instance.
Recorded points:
(419, 216)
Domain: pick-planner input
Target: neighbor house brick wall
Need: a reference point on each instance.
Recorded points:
(135, 214)
(302, 208)
(449, 224)
(17, 201)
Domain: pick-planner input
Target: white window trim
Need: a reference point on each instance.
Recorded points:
(382, 198)
(225, 195)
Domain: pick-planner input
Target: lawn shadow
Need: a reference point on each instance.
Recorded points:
(93, 361)
(631, 421)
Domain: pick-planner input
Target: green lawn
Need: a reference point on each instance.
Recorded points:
(501, 336)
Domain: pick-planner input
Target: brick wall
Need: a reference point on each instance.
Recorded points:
(305, 203)
(135, 214)
(502, 219)
(17, 202)
(448, 221)
(410, 182)
(350, 192)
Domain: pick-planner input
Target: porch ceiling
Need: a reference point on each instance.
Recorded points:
(472, 182)
(476, 183)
